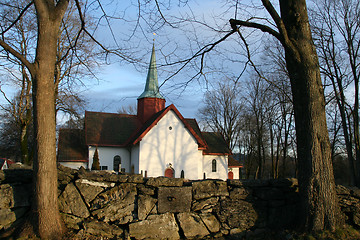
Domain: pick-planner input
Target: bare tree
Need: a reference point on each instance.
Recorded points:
(45, 212)
(336, 27)
(222, 110)
(316, 178)
(69, 71)
(290, 26)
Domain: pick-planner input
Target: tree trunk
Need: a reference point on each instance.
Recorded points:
(316, 180)
(45, 208)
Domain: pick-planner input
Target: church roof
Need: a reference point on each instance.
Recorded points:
(152, 84)
(109, 129)
(71, 146)
(216, 144)
(232, 162)
(122, 130)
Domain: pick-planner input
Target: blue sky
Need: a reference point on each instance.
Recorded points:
(120, 84)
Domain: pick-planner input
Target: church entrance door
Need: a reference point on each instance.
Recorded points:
(169, 172)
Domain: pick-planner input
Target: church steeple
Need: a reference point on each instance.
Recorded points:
(152, 84)
(150, 101)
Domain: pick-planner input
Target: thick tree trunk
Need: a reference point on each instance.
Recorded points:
(317, 186)
(48, 223)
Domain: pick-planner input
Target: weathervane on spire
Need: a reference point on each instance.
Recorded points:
(154, 37)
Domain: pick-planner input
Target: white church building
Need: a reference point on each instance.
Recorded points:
(158, 141)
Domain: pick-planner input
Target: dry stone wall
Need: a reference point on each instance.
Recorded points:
(101, 205)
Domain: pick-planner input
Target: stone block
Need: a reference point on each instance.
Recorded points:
(102, 230)
(237, 214)
(211, 222)
(209, 188)
(116, 204)
(165, 182)
(204, 204)
(70, 202)
(15, 195)
(146, 190)
(192, 225)
(71, 221)
(7, 217)
(174, 199)
(146, 206)
(241, 194)
(90, 189)
(162, 226)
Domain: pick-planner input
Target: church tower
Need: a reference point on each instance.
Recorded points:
(150, 101)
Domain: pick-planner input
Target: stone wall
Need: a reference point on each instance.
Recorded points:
(104, 205)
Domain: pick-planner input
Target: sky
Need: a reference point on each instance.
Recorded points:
(119, 84)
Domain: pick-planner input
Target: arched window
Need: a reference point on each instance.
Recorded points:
(213, 165)
(182, 174)
(117, 163)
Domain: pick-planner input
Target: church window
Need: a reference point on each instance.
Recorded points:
(117, 163)
(213, 165)
(104, 167)
(182, 174)
(170, 128)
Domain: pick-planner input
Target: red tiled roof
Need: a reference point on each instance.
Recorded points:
(109, 129)
(216, 144)
(232, 162)
(72, 145)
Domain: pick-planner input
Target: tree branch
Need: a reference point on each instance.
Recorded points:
(234, 23)
(18, 18)
(19, 56)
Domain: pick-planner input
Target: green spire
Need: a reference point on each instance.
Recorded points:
(152, 84)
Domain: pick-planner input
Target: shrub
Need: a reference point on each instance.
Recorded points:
(96, 162)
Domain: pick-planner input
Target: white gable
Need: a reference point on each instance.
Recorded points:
(170, 142)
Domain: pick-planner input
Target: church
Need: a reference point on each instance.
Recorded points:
(157, 141)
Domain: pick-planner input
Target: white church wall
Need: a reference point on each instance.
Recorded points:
(135, 159)
(221, 166)
(169, 142)
(236, 172)
(107, 154)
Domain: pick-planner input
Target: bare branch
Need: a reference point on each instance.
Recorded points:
(161, 14)
(234, 23)
(18, 18)
(18, 55)
(205, 49)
